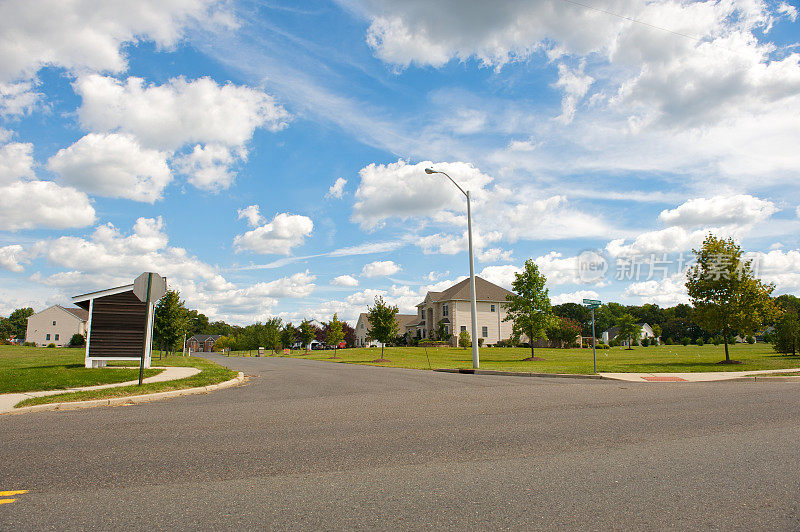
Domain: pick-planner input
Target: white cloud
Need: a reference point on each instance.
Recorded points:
(11, 258)
(43, 204)
(178, 112)
(401, 190)
(295, 286)
(18, 99)
(284, 232)
(666, 292)
(16, 162)
(500, 275)
(252, 215)
(380, 268)
(495, 255)
(337, 189)
(208, 167)
(113, 165)
(574, 297)
(575, 84)
(451, 244)
(741, 209)
(344, 280)
(86, 34)
(779, 267)
(669, 240)
(788, 10)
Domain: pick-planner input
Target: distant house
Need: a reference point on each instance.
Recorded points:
(202, 342)
(404, 321)
(56, 325)
(613, 332)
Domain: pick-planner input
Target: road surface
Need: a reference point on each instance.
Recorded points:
(322, 445)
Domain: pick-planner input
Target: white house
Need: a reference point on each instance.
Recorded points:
(56, 325)
(613, 332)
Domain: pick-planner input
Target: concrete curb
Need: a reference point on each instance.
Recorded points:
(519, 373)
(767, 378)
(129, 400)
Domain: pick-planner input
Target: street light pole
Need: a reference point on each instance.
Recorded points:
(473, 296)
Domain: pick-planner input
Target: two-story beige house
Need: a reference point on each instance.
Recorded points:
(56, 325)
(452, 308)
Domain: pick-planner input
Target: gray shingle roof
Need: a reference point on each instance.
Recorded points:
(485, 291)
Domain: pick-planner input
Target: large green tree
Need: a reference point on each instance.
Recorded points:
(628, 330)
(171, 321)
(335, 335)
(307, 333)
(786, 338)
(528, 308)
(288, 336)
(727, 296)
(382, 319)
(16, 324)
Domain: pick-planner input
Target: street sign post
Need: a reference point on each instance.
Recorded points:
(593, 304)
(148, 287)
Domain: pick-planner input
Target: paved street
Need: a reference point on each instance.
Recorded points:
(322, 445)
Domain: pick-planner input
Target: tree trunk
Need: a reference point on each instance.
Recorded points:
(727, 356)
(381, 350)
(532, 353)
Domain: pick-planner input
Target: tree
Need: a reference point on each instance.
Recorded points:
(578, 313)
(16, 324)
(222, 343)
(529, 306)
(563, 331)
(288, 336)
(727, 296)
(198, 323)
(382, 319)
(786, 338)
(307, 334)
(656, 331)
(335, 334)
(271, 333)
(349, 334)
(442, 333)
(171, 321)
(628, 329)
(464, 340)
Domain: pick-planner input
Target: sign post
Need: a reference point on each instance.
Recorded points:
(593, 304)
(148, 287)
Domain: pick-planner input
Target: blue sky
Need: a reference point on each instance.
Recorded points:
(267, 157)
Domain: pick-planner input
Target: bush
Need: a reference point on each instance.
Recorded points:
(668, 341)
(480, 342)
(77, 340)
(686, 340)
(51, 345)
(602, 346)
(464, 340)
(699, 342)
(751, 340)
(716, 340)
(645, 342)
(614, 343)
(29, 344)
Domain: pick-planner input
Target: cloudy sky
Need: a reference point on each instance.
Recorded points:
(267, 157)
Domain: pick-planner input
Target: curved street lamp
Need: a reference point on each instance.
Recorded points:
(473, 300)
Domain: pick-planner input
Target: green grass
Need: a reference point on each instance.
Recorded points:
(654, 359)
(29, 369)
(210, 373)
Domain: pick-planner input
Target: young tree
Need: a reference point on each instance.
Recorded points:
(335, 334)
(271, 335)
(382, 323)
(786, 338)
(171, 321)
(16, 324)
(563, 331)
(307, 334)
(349, 334)
(464, 340)
(529, 306)
(628, 329)
(727, 296)
(288, 336)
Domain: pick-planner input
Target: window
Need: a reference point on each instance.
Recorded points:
(47, 337)
(463, 328)
(446, 329)
(492, 308)
(56, 338)
(444, 310)
(485, 332)
(54, 323)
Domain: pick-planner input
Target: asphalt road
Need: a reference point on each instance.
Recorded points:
(328, 446)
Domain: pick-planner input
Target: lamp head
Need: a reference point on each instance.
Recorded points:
(430, 171)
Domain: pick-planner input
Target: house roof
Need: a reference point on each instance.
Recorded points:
(85, 298)
(484, 291)
(77, 312)
(203, 337)
(403, 320)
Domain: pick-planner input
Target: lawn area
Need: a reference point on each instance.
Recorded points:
(654, 359)
(28, 369)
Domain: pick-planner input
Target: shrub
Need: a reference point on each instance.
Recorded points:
(751, 340)
(480, 342)
(77, 340)
(700, 342)
(686, 340)
(464, 340)
(29, 344)
(602, 346)
(51, 345)
(668, 341)
(645, 342)
(716, 340)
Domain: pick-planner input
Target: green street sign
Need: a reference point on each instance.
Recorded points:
(592, 302)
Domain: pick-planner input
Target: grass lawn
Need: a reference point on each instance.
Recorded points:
(654, 359)
(29, 369)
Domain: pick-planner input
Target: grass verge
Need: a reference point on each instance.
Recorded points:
(210, 373)
(31, 369)
(654, 359)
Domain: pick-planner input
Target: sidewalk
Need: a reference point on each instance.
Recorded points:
(9, 400)
(706, 376)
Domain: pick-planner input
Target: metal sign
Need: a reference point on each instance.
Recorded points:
(158, 287)
(592, 302)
